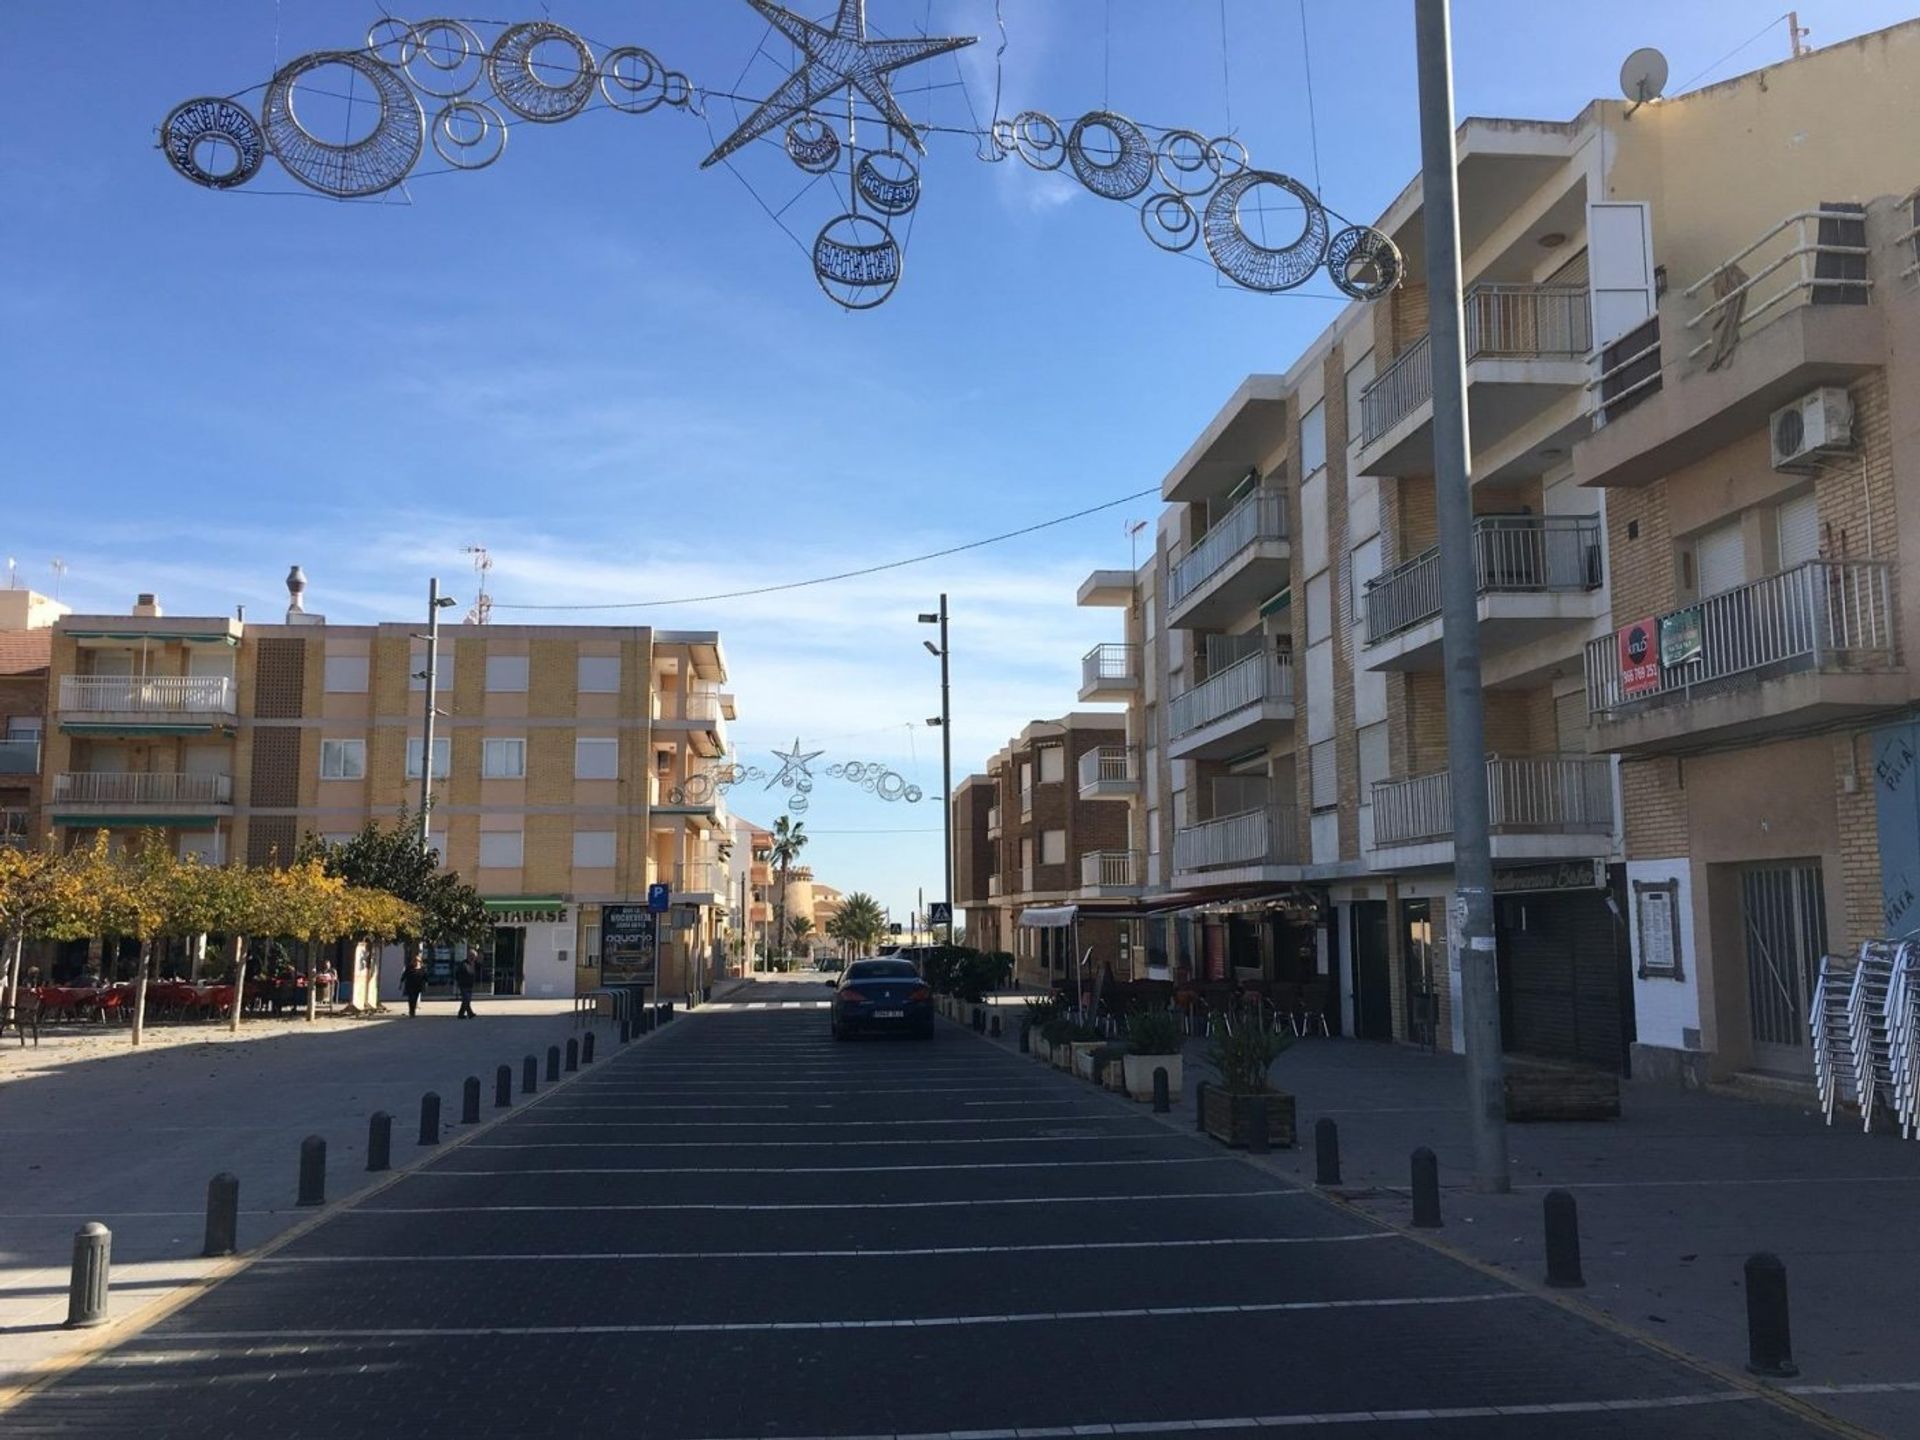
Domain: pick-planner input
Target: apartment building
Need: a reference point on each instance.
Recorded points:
(567, 770)
(752, 868)
(26, 645)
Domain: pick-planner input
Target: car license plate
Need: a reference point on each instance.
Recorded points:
(889, 1014)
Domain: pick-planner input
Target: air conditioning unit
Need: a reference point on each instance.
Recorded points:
(1819, 423)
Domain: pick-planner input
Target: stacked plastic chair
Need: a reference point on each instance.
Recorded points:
(1903, 1037)
(1867, 1019)
(1831, 1023)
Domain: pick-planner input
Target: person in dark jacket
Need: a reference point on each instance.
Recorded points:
(414, 981)
(464, 975)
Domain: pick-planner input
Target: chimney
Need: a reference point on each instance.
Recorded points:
(297, 613)
(148, 605)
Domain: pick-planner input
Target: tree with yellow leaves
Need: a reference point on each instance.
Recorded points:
(41, 898)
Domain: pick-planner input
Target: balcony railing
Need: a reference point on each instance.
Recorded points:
(1531, 554)
(1261, 516)
(1109, 764)
(1253, 680)
(1109, 664)
(143, 788)
(161, 695)
(1115, 868)
(1538, 795)
(1816, 256)
(1825, 613)
(699, 877)
(19, 757)
(13, 827)
(993, 819)
(993, 886)
(1267, 836)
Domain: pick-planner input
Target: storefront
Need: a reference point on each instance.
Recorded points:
(1565, 972)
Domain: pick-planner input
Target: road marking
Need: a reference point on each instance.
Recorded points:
(857, 1252)
(873, 1092)
(660, 1109)
(1077, 1116)
(832, 1169)
(1157, 1133)
(1858, 1387)
(748, 1207)
(1717, 1184)
(930, 1322)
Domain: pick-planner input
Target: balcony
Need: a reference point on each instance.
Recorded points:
(993, 820)
(1110, 672)
(1252, 845)
(1106, 589)
(1240, 562)
(1534, 575)
(19, 757)
(1026, 803)
(1111, 874)
(169, 704)
(1247, 705)
(14, 834)
(993, 887)
(1546, 807)
(700, 714)
(699, 882)
(1108, 773)
(1527, 365)
(1810, 645)
(139, 798)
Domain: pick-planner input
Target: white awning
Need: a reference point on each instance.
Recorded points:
(1049, 917)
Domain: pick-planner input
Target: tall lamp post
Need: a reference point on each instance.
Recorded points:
(436, 602)
(945, 722)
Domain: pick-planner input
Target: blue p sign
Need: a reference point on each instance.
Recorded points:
(659, 899)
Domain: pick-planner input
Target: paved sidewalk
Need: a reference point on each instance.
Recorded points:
(131, 1137)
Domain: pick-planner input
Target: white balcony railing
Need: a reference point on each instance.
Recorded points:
(699, 877)
(177, 695)
(1535, 795)
(1109, 664)
(1115, 868)
(1521, 554)
(142, 788)
(1108, 764)
(1823, 614)
(1816, 255)
(1252, 681)
(1261, 516)
(1266, 836)
(19, 757)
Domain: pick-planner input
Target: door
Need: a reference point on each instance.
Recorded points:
(1372, 982)
(1619, 267)
(509, 959)
(1784, 922)
(1422, 1006)
(1562, 959)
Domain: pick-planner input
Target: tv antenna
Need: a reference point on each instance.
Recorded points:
(482, 611)
(1134, 527)
(59, 568)
(1643, 77)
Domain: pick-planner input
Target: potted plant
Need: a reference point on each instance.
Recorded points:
(1243, 1050)
(1083, 1042)
(1153, 1043)
(1109, 1065)
(1057, 1037)
(1036, 1014)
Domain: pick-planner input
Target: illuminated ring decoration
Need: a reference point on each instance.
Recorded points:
(889, 194)
(377, 161)
(193, 124)
(636, 95)
(1228, 157)
(467, 153)
(1006, 141)
(1169, 221)
(892, 785)
(445, 60)
(1248, 263)
(856, 261)
(388, 34)
(855, 771)
(1185, 162)
(813, 145)
(697, 791)
(868, 783)
(1127, 173)
(510, 66)
(1365, 248)
(836, 771)
(1037, 139)
(914, 795)
(677, 88)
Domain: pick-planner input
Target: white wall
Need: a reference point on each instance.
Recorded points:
(1662, 1007)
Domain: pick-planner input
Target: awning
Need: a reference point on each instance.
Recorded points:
(1049, 917)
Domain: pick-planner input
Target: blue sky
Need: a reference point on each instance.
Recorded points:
(611, 368)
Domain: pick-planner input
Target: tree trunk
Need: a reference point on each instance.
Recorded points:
(140, 991)
(313, 982)
(10, 987)
(239, 981)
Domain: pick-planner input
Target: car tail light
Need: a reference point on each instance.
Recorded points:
(851, 995)
(920, 992)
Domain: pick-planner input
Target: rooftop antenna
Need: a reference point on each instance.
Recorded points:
(482, 611)
(59, 568)
(1643, 77)
(13, 573)
(1134, 527)
(1796, 33)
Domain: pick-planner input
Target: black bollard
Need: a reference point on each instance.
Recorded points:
(470, 1101)
(1162, 1091)
(429, 1119)
(553, 1063)
(529, 1075)
(313, 1171)
(1563, 1241)
(223, 1215)
(1257, 1125)
(993, 1025)
(1200, 1106)
(1769, 1342)
(503, 1087)
(1426, 1189)
(1026, 1038)
(1326, 1152)
(92, 1274)
(573, 1055)
(380, 1141)
(586, 1049)
(626, 1032)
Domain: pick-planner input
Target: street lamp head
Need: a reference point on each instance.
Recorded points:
(926, 619)
(934, 721)
(932, 649)
(443, 601)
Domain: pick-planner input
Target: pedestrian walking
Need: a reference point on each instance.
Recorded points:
(414, 981)
(464, 975)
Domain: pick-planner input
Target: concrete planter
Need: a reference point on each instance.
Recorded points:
(1139, 1075)
(1116, 1074)
(1229, 1117)
(1063, 1056)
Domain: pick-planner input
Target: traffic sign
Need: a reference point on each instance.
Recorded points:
(659, 899)
(940, 913)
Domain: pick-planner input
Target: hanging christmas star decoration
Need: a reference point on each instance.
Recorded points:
(837, 58)
(795, 767)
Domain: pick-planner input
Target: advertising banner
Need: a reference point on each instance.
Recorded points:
(1639, 664)
(627, 944)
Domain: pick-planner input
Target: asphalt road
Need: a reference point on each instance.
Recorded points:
(738, 1228)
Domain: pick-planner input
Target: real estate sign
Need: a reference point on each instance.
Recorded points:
(1639, 661)
(1680, 637)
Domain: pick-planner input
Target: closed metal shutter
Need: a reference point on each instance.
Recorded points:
(1561, 978)
(1720, 560)
(1799, 531)
(1324, 765)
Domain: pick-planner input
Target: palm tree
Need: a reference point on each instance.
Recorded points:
(789, 839)
(861, 920)
(800, 926)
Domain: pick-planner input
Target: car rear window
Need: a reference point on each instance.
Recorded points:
(881, 970)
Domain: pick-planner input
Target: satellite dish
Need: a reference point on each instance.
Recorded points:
(1644, 76)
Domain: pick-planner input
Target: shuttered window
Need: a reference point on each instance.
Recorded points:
(1799, 520)
(1720, 560)
(1326, 775)
(1372, 747)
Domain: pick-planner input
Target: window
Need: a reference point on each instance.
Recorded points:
(1363, 569)
(1152, 624)
(442, 757)
(23, 727)
(1053, 847)
(1053, 764)
(1359, 376)
(1153, 832)
(346, 675)
(501, 849)
(1319, 608)
(507, 673)
(437, 842)
(596, 759)
(1372, 747)
(590, 946)
(442, 667)
(1720, 560)
(503, 760)
(599, 674)
(1798, 522)
(1325, 775)
(1313, 440)
(593, 849)
(343, 759)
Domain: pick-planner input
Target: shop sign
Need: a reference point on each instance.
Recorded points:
(627, 942)
(1560, 875)
(1639, 665)
(534, 915)
(1680, 637)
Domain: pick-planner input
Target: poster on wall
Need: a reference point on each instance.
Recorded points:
(1639, 665)
(627, 944)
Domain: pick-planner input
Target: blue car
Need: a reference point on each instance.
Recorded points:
(881, 995)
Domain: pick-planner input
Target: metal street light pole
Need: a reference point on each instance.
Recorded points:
(1470, 925)
(945, 722)
(436, 602)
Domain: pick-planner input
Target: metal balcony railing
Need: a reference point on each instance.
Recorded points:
(147, 694)
(1106, 664)
(1261, 516)
(1108, 764)
(13, 827)
(699, 877)
(1812, 257)
(1823, 614)
(1250, 682)
(19, 757)
(1117, 868)
(142, 788)
(1266, 836)
(1522, 554)
(1537, 795)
